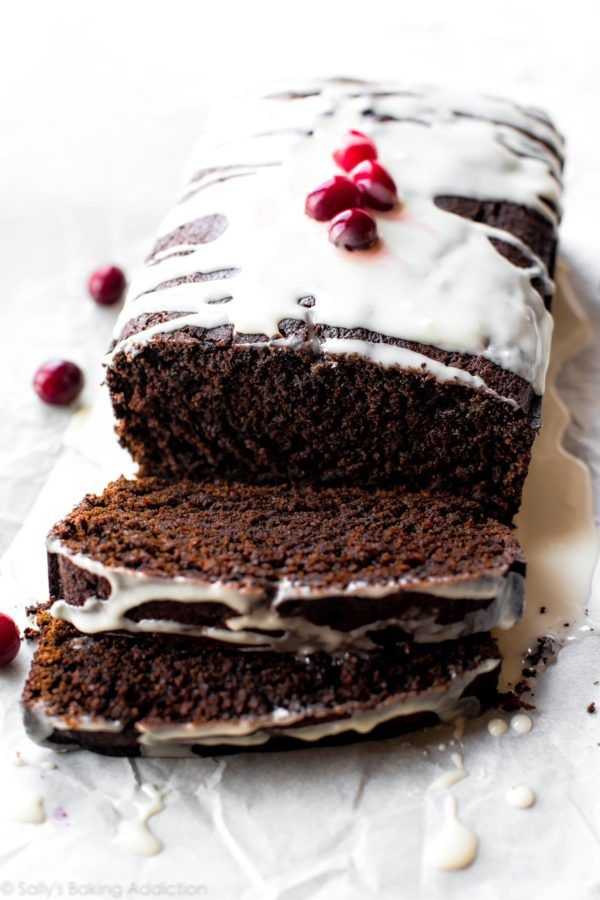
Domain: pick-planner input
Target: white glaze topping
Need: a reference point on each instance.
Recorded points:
(434, 278)
(252, 612)
(388, 355)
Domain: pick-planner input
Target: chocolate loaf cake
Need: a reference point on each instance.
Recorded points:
(331, 388)
(158, 696)
(288, 568)
(253, 348)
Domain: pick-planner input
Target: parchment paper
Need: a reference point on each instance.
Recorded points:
(101, 104)
(349, 822)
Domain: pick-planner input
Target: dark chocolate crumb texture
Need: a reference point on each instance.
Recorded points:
(158, 696)
(283, 567)
(252, 347)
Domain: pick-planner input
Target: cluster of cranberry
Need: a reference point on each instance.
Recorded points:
(340, 200)
(59, 381)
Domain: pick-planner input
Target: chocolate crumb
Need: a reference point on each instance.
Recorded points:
(510, 702)
(32, 610)
(591, 708)
(545, 652)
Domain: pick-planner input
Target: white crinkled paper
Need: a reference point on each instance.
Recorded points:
(331, 823)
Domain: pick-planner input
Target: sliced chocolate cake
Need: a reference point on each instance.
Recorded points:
(283, 567)
(159, 696)
(407, 346)
(330, 371)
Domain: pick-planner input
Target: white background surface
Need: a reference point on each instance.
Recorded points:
(99, 106)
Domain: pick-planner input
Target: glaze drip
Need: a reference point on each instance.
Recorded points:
(434, 278)
(257, 622)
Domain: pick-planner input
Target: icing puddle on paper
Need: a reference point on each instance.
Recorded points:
(555, 525)
(135, 834)
(520, 796)
(27, 807)
(497, 727)
(556, 528)
(455, 846)
(521, 723)
(453, 776)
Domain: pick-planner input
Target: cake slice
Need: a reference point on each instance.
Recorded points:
(163, 696)
(252, 347)
(283, 567)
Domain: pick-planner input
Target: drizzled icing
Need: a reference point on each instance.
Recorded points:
(455, 846)
(257, 623)
(172, 740)
(135, 834)
(435, 278)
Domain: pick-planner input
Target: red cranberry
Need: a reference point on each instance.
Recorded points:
(353, 229)
(332, 197)
(355, 148)
(58, 381)
(10, 640)
(376, 184)
(107, 285)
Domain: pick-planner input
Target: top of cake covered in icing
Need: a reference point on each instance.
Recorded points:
(434, 277)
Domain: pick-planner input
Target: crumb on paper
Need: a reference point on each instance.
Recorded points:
(591, 708)
(511, 702)
(544, 653)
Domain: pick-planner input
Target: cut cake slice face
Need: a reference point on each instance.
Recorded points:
(166, 696)
(285, 568)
